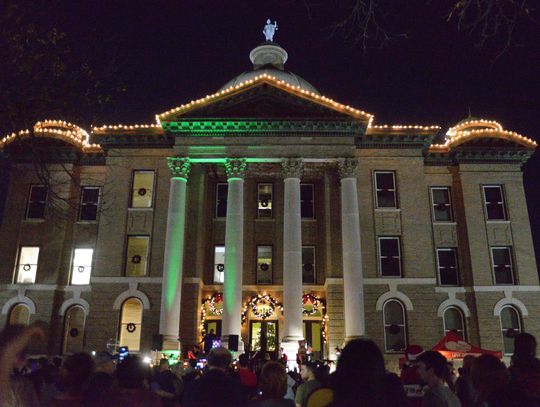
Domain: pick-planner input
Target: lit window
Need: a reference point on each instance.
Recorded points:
(130, 324)
(137, 255)
(385, 189)
(389, 257)
(82, 266)
(37, 200)
(73, 330)
(221, 200)
(454, 321)
(494, 202)
(307, 206)
(448, 266)
(88, 209)
(219, 264)
(19, 315)
(394, 327)
(502, 265)
(510, 327)
(308, 265)
(27, 264)
(264, 200)
(143, 189)
(264, 264)
(442, 205)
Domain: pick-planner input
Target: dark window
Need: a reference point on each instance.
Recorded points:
(308, 265)
(502, 265)
(221, 200)
(89, 203)
(264, 200)
(307, 208)
(442, 205)
(448, 267)
(37, 200)
(494, 202)
(395, 336)
(264, 264)
(454, 322)
(510, 327)
(389, 257)
(385, 189)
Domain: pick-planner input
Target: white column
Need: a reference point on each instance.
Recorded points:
(234, 252)
(171, 291)
(292, 259)
(353, 279)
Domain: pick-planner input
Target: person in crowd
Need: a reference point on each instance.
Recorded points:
(208, 341)
(166, 385)
(102, 379)
(360, 375)
(525, 367)
(272, 386)
(216, 386)
(308, 373)
(411, 380)
(74, 375)
(433, 369)
(491, 379)
(16, 390)
(132, 389)
(464, 388)
(248, 379)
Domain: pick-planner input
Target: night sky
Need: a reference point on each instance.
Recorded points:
(170, 53)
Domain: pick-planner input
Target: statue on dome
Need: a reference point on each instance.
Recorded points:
(270, 30)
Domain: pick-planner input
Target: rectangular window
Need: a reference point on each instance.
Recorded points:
(308, 265)
(88, 208)
(448, 266)
(143, 189)
(219, 264)
(82, 266)
(494, 202)
(307, 207)
(264, 264)
(221, 200)
(442, 204)
(389, 257)
(502, 265)
(264, 200)
(385, 189)
(37, 199)
(27, 264)
(137, 255)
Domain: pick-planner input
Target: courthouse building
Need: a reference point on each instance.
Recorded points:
(269, 211)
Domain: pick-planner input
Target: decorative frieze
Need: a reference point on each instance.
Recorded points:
(348, 167)
(179, 166)
(292, 167)
(235, 167)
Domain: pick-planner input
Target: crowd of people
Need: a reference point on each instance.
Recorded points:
(360, 379)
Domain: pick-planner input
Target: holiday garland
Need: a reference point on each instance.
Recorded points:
(253, 305)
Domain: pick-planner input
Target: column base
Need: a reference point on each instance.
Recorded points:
(170, 343)
(290, 348)
(225, 344)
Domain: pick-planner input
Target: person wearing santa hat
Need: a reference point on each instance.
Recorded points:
(412, 382)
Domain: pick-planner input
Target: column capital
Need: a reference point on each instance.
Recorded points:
(235, 167)
(348, 167)
(179, 166)
(292, 167)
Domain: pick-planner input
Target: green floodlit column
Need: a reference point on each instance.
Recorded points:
(234, 251)
(171, 293)
(353, 279)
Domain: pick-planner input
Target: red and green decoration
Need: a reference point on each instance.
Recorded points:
(214, 305)
(262, 306)
(313, 305)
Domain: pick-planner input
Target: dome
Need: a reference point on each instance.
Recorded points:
(269, 58)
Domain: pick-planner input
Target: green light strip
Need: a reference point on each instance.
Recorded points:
(222, 160)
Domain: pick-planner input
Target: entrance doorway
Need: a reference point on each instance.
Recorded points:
(214, 324)
(263, 337)
(314, 338)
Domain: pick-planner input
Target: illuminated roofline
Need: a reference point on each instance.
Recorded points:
(124, 127)
(491, 124)
(323, 100)
(464, 136)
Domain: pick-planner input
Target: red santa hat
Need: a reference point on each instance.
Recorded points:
(413, 351)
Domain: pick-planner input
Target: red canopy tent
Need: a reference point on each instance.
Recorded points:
(452, 346)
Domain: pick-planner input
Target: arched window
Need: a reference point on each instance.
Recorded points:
(510, 326)
(453, 321)
(395, 329)
(74, 320)
(130, 324)
(19, 315)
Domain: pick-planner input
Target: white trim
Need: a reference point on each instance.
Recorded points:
(455, 303)
(450, 204)
(19, 299)
(74, 301)
(404, 325)
(335, 281)
(510, 257)
(510, 302)
(463, 321)
(450, 289)
(192, 280)
(132, 292)
(30, 287)
(502, 202)
(503, 288)
(398, 295)
(376, 188)
(400, 281)
(124, 280)
(379, 254)
(268, 287)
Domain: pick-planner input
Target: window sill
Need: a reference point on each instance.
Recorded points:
(308, 219)
(442, 222)
(387, 209)
(141, 209)
(497, 221)
(87, 222)
(220, 219)
(34, 220)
